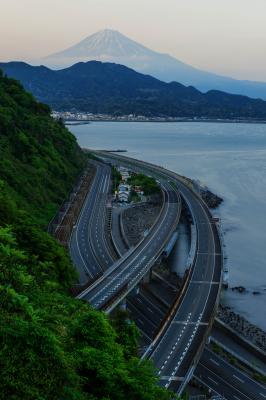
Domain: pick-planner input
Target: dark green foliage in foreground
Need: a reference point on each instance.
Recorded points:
(51, 346)
(56, 347)
(147, 183)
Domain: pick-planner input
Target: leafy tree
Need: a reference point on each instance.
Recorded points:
(147, 183)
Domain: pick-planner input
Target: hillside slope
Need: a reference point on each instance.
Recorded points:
(115, 89)
(39, 158)
(51, 346)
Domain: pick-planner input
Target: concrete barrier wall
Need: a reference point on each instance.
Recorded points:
(259, 353)
(237, 356)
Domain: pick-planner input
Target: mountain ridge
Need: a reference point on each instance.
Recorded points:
(114, 89)
(112, 46)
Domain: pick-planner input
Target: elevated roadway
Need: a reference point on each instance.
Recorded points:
(212, 371)
(179, 345)
(177, 348)
(125, 273)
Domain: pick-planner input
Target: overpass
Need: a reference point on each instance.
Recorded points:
(213, 371)
(177, 347)
(116, 282)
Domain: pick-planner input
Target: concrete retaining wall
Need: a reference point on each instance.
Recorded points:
(259, 353)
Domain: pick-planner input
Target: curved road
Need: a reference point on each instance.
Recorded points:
(174, 354)
(129, 270)
(178, 348)
(88, 248)
(177, 351)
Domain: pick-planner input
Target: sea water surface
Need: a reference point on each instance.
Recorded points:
(231, 160)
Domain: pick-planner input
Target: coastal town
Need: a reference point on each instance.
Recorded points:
(86, 117)
(79, 117)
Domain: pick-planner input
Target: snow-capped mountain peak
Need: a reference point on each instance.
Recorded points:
(103, 46)
(111, 46)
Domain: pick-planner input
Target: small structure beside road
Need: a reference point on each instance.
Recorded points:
(124, 191)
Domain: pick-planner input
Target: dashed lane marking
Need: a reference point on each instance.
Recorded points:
(216, 383)
(239, 379)
(189, 323)
(172, 378)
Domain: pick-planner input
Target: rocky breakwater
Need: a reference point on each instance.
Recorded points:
(211, 199)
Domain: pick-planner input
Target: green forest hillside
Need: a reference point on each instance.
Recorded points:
(51, 345)
(39, 158)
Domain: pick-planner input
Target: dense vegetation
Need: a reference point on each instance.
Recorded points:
(147, 183)
(39, 158)
(116, 179)
(51, 345)
(114, 89)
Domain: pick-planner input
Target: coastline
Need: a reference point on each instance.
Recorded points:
(219, 121)
(204, 153)
(82, 118)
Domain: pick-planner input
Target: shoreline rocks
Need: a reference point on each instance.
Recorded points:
(211, 199)
(239, 289)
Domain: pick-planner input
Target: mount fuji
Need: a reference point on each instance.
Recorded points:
(112, 46)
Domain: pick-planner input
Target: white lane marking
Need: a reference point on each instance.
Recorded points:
(263, 395)
(212, 380)
(237, 398)
(129, 264)
(104, 184)
(194, 271)
(214, 362)
(239, 379)
(224, 382)
(111, 270)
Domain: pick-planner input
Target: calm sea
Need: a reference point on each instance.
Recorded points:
(231, 160)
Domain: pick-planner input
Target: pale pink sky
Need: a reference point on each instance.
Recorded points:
(223, 36)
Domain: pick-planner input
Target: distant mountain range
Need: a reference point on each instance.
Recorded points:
(112, 46)
(108, 88)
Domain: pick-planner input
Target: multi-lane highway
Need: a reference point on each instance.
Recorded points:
(118, 280)
(212, 371)
(177, 349)
(224, 379)
(88, 247)
(178, 345)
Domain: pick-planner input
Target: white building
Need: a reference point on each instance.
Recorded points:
(124, 173)
(124, 192)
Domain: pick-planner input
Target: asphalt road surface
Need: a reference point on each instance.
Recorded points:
(88, 248)
(174, 353)
(129, 270)
(226, 380)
